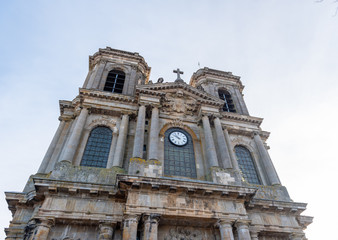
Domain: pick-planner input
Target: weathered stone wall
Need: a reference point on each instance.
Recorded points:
(172, 232)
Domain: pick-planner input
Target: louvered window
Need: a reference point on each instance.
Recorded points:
(229, 105)
(115, 81)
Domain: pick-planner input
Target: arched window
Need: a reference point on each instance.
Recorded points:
(97, 148)
(246, 164)
(179, 157)
(115, 81)
(229, 105)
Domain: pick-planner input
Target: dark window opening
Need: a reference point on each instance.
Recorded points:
(179, 160)
(147, 122)
(144, 147)
(115, 81)
(97, 149)
(246, 165)
(229, 105)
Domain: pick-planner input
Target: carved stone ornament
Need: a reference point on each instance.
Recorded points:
(104, 121)
(199, 87)
(184, 233)
(179, 103)
(176, 123)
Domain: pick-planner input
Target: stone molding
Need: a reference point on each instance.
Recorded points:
(110, 53)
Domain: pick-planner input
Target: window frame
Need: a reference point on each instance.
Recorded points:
(112, 81)
(228, 101)
(254, 166)
(94, 148)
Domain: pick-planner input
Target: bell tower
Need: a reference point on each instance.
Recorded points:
(116, 71)
(224, 85)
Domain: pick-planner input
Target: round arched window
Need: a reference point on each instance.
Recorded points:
(115, 81)
(179, 157)
(246, 165)
(97, 148)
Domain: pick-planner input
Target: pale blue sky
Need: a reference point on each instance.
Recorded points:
(285, 51)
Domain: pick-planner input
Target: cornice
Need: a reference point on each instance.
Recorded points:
(106, 95)
(242, 118)
(115, 53)
(207, 73)
(201, 97)
(192, 187)
(272, 205)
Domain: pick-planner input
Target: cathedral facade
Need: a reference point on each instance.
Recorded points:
(136, 159)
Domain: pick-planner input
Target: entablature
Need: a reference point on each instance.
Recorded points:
(191, 187)
(272, 205)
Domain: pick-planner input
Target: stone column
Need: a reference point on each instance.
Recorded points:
(268, 165)
(209, 143)
(74, 138)
(153, 136)
(150, 226)
(231, 150)
(112, 149)
(222, 146)
(139, 133)
(106, 230)
(51, 148)
(225, 228)
(243, 230)
(130, 227)
(42, 229)
(121, 141)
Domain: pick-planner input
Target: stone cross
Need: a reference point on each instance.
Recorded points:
(178, 73)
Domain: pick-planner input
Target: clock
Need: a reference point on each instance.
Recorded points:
(178, 138)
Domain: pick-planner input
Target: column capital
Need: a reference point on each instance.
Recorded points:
(222, 222)
(131, 217)
(152, 218)
(46, 222)
(242, 223)
(106, 230)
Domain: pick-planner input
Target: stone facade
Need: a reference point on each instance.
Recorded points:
(151, 187)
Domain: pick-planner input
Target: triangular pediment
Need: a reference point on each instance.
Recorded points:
(168, 90)
(178, 98)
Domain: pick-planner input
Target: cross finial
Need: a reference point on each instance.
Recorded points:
(178, 71)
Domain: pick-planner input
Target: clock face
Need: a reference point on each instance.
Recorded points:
(178, 138)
